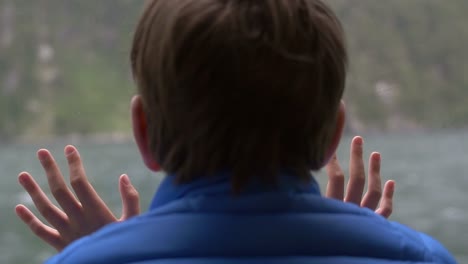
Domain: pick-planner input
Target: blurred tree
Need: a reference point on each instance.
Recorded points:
(417, 46)
(64, 66)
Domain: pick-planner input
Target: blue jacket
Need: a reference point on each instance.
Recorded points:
(202, 223)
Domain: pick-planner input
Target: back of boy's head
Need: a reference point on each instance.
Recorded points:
(247, 86)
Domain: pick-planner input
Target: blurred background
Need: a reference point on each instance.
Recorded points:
(65, 78)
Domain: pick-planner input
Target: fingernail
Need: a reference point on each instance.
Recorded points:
(359, 141)
(125, 180)
(392, 185)
(42, 154)
(377, 155)
(21, 178)
(69, 150)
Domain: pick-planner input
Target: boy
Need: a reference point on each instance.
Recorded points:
(238, 100)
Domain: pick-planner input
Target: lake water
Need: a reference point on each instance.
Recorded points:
(431, 172)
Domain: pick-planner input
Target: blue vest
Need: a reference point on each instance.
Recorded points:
(202, 222)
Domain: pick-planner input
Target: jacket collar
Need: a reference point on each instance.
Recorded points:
(220, 184)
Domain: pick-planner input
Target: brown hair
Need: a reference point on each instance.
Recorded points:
(251, 86)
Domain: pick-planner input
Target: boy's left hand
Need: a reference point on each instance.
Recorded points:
(79, 215)
(381, 201)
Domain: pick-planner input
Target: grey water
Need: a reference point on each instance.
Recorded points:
(430, 170)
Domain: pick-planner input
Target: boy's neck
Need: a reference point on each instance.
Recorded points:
(220, 185)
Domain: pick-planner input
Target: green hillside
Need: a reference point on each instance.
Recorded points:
(64, 65)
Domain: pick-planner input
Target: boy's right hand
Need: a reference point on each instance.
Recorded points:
(375, 199)
(79, 215)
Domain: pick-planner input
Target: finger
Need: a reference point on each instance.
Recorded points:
(374, 186)
(57, 185)
(386, 205)
(85, 192)
(356, 173)
(130, 198)
(336, 179)
(44, 232)
(46, 208)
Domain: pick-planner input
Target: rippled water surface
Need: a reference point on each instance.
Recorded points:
(431, 171)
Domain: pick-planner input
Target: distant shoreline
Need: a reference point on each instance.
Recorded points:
(76, 138)
(122, 137)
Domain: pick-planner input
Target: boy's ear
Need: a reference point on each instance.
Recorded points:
(340, 121)
(140, 132)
